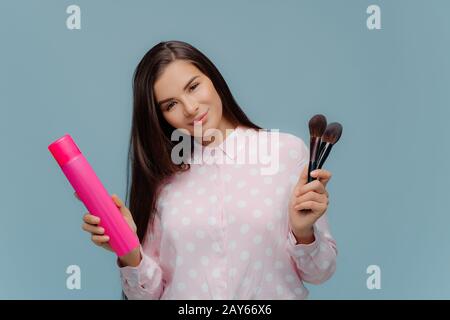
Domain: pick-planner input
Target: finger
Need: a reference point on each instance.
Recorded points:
(315, 186)
(91, 219)
(99, 240)
(298, 206)
(322, 175)
(311, 205)
(302, 180)
(93, 229)
(311, 196)
(117, 201)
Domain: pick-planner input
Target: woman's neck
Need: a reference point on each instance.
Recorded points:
(225, 127)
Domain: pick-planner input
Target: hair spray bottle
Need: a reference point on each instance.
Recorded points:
(93, 194)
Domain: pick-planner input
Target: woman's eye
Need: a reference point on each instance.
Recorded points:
(170, 105)
(193, 87)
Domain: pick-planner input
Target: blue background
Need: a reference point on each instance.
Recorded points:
(284, 62)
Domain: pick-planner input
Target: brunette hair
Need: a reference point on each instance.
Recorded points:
(150, 146)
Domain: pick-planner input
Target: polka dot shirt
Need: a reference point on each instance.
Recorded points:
(222, 228)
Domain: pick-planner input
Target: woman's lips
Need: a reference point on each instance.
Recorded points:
(201, 119)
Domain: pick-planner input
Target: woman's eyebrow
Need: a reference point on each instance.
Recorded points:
(184, 88)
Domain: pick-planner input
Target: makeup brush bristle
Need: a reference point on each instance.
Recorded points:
(317, 125)
(332, 133)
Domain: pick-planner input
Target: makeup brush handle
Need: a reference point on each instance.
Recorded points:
(320, 151)
(326, 152)
(311, 167)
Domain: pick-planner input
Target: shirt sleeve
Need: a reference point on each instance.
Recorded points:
(315, 262)
(145, 281)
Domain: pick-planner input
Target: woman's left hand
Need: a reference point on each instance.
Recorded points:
(308, 203)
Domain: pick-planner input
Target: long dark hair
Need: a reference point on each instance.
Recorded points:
(150, 145)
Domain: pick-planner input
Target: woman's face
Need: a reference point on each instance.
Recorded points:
(185, 94)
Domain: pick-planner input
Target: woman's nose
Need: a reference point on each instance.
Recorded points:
(191, 107)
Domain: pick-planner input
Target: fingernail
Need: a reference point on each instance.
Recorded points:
(313, 173)
(101, 230)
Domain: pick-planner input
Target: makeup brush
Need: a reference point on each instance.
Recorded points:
(329, 138)
(317, 126)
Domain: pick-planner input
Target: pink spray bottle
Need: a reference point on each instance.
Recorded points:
(93, 194)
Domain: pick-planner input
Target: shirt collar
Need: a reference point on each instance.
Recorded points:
(229, 146)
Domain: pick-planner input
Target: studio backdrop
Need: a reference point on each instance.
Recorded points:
(380, 68)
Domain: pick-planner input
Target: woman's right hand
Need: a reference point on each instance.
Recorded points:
(91, 225)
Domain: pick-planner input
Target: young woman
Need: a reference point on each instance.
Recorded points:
(215, 229)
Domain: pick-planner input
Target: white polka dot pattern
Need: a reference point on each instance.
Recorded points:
(222, 231)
